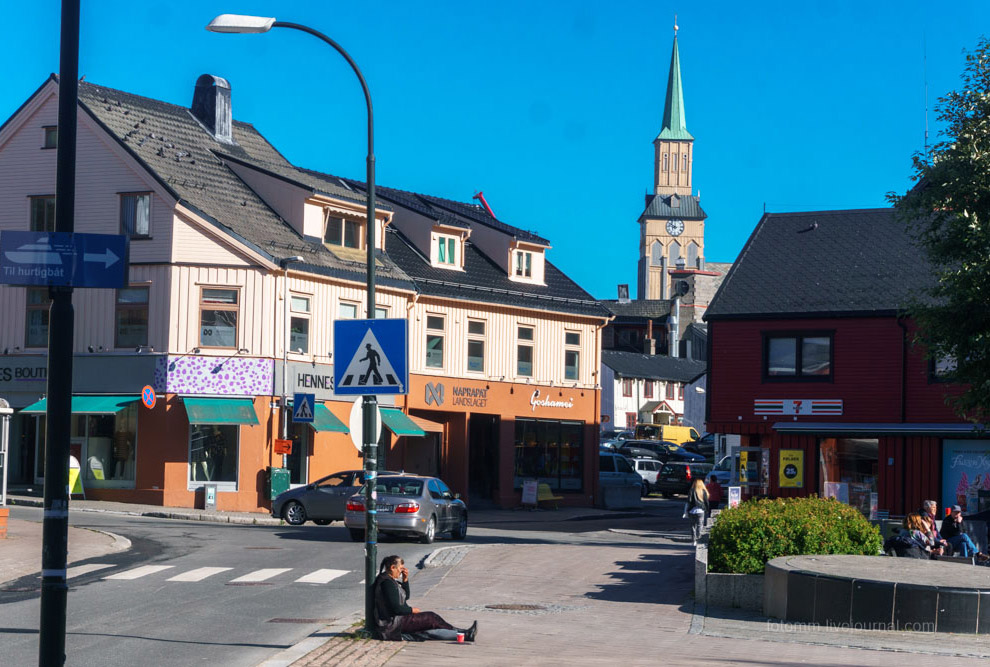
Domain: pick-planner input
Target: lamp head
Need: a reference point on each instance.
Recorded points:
(240, 23)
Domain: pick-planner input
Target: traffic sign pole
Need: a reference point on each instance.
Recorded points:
(55, 528)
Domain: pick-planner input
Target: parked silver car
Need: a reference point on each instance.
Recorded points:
(321, 501)
(410, 505)
(647, 469)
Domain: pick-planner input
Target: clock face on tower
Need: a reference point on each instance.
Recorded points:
(675, 227)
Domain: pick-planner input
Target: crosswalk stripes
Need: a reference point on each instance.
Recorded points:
(321, 576)
(79, 570)
(199, 573)
(139, 572)
(260, 575)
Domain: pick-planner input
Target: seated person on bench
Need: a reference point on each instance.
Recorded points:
(961, 542)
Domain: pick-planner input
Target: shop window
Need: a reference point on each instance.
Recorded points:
(50, 139)
(552, 452)
(43, 214)
(218, 318)
(848, 470)
(132, 317)
(797, 357)
(347, 311)
(524, 351)
(341, 231)
(627, 387)
(36, 321)
(135, 215)
(213, 454)
(476, 346)
(296, 461)
(299, 324)
(434, 341)
(631, 420)
(648, 389)
(110, 448)
(523, 264)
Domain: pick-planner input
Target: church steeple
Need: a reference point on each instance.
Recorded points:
(674, 123)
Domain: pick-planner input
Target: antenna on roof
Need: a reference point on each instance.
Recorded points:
(481, 196)
(675, 25)
(924, 67)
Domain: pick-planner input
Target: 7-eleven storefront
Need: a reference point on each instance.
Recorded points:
(484, 438)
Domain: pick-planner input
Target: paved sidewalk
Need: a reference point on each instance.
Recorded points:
(631, 603)
(20, 553)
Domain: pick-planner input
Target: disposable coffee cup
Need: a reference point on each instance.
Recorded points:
(460, 637)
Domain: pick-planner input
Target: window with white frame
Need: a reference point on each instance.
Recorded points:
(381, 312)
(299, 324)
(135, 214)
(434, 341)
(446, 250)
(347, 310)
(572, 354)
(476, 346)
(43, 214)
(524, 351)
(341, 231)
(522, 265)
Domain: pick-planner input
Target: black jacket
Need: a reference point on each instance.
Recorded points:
(390, 605)
(950, 528)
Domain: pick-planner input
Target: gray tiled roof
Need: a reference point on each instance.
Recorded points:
(688, 207)
(652, 366)
(639, 308)
(823, 262)
(179, 152)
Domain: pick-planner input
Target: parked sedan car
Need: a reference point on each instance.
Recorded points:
(321, 501)
(676, 477)
(647, 469)
(705, 445)
(410, 505)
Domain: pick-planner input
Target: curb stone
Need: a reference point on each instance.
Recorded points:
(447, 556)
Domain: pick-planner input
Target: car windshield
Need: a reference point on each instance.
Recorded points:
(400, 486)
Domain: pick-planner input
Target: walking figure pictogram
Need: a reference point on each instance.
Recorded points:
(373, 358)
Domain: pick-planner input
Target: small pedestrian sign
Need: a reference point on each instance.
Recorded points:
(372, 356)
(303, 408)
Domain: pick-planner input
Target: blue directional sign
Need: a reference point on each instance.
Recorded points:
(370, 357)
(69, 260)
(303, 408)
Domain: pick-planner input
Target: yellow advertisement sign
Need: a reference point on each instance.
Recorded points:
(743, 467)
(791, 468)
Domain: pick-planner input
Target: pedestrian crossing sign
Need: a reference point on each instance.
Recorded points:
(370, 356)
(303, 408)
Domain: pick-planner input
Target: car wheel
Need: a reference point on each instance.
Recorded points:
(356, 535)
(321, 522)
(646, 490)
(431, 531)
(460, 530)
(294, 513)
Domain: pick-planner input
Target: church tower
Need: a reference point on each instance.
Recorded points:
(672, 228)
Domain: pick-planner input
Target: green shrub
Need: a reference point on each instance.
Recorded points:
(746, 537)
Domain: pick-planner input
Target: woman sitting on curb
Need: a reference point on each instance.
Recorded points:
(394, 620)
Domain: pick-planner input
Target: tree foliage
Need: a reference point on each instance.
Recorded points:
(948, 211)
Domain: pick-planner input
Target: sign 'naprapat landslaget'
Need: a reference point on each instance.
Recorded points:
(797, 406)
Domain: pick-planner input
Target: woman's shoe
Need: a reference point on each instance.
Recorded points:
(472, 632)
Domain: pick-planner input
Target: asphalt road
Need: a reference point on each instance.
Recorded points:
(192, 592)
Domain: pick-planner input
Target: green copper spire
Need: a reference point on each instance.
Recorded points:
(674, 124)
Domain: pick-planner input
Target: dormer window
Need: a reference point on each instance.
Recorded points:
(522, 264)
(342, 232)
(446, 250)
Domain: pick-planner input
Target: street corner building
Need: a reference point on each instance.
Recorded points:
(239, 264)
(811, 363)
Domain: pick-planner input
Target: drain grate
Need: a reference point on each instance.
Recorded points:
(516, 607)
(301, 620)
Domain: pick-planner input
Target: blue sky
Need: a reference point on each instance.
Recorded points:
(550, 108)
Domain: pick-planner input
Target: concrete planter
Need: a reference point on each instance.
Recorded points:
(741, 591)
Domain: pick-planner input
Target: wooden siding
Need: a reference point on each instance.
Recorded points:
(194, 246)
(500, 342)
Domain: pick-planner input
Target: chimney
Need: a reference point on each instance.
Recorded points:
(211, 106)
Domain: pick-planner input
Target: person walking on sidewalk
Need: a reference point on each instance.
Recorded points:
(394, 620)
(697, 507)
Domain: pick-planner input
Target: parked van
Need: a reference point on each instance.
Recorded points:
(678, 434)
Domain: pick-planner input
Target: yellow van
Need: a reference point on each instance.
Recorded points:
(678, 434)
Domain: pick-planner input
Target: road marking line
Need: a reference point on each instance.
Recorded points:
(139, 572)
(80, 570)
(261, 575)
(321, 576)
(199, 573)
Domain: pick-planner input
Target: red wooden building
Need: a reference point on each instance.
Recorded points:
(811, 362)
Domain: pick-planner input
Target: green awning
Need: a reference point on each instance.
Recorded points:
(324, 420)
(220, 411)
(400, 424)
(87, 405)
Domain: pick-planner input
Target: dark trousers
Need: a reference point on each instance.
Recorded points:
(427, 625)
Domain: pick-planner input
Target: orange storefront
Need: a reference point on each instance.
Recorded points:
(484, 438)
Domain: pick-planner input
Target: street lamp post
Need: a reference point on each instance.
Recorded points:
(235, 23)
(286, 333)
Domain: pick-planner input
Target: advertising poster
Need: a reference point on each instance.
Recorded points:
(791, 469)
(735, 494)
(965, 472)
